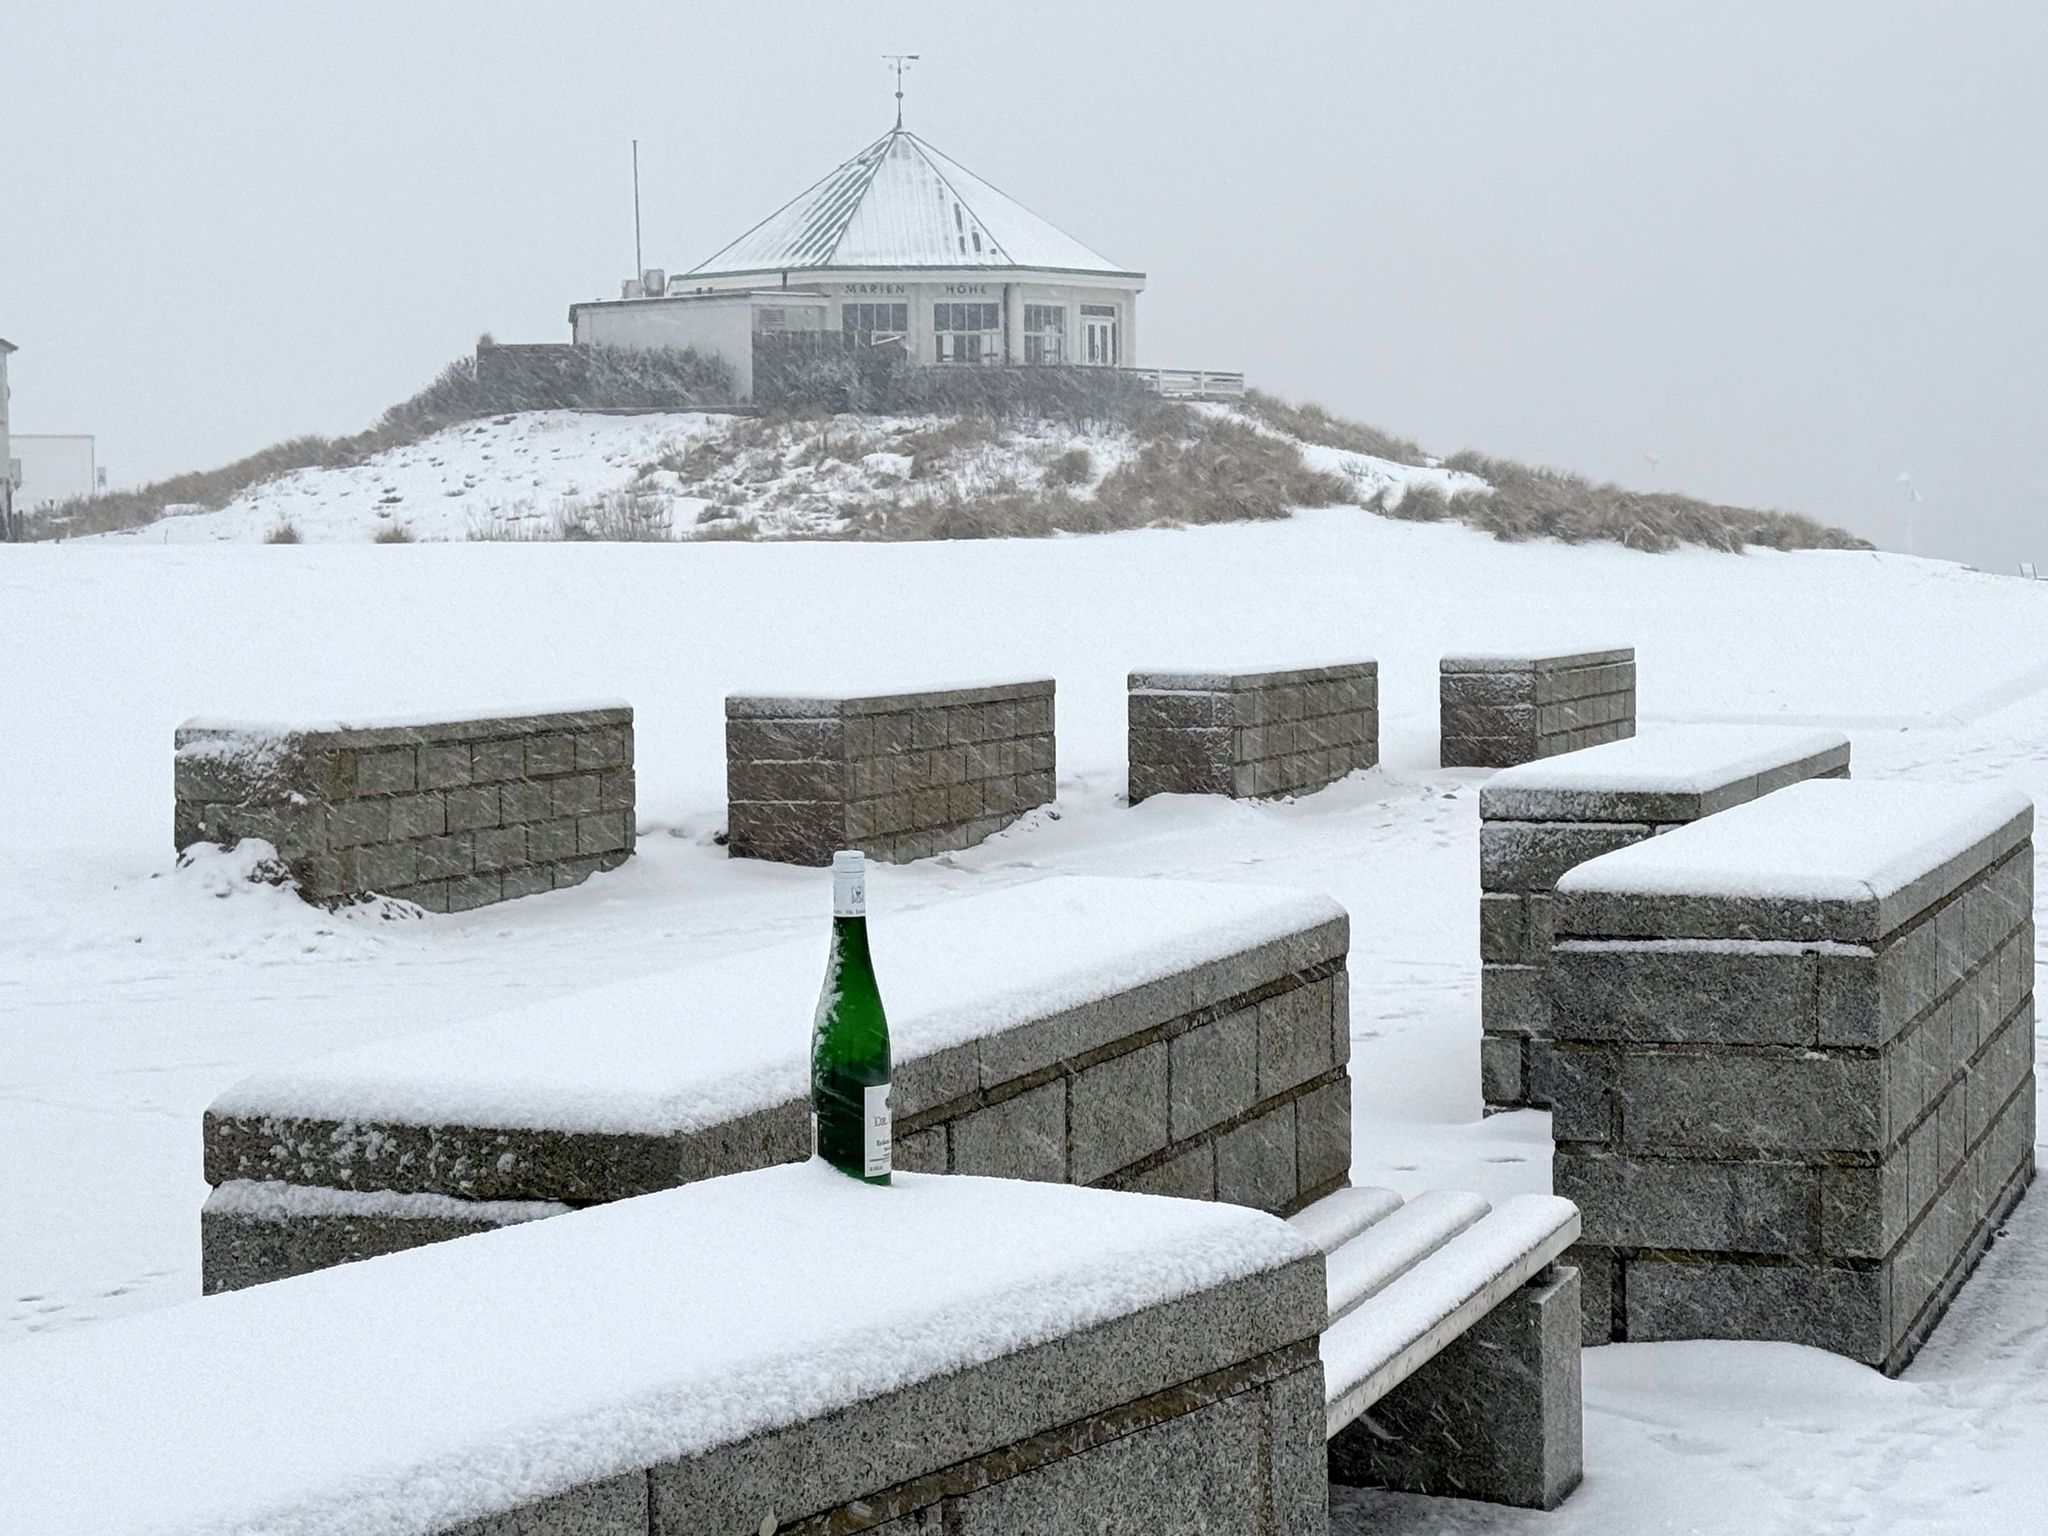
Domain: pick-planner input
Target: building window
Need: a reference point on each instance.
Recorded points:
(1045, 333)
(969, 333)
(1100, 345)
(875, 325)
(770, 319)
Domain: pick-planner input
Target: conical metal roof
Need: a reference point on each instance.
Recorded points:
(901, 203)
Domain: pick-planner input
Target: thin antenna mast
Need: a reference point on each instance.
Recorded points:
(900, 62)
(638, 268)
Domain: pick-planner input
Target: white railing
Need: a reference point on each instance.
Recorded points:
(1192, 383)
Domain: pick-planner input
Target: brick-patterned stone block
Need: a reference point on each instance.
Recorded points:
(1541, 819)
(900, 776)
(1204, 1070)
(1251, 734)
(1499, 710)
(1752, 1161)
(450, 815)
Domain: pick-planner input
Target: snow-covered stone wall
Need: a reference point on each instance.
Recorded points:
(1499, 710)
(1251, 734)
(1171, 1037)
(1543, 818)
(900, 776)
(788, 1351)
(449, 814)
(1794, 1044)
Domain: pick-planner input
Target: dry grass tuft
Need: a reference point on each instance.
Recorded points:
(1074, 467)
(1189, 468)
(1534, 503)
(621, 517)
(1313, 424)
(285, 532)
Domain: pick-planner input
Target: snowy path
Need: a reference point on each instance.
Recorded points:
(130, 995)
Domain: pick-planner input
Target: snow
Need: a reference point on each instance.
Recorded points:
(682, 1050)
(464, 1379)
(133, 992)
(516, 477)
(797, 704)
(1786, 948)
(273, 730)
(1193, 676)
(1371, 477)
(265, 1200)
(1677, 760)
(497, 475)
(1389, 1249)
(1409, 1304)
(1523, 660)
(1821, 840)
(1343, 1214)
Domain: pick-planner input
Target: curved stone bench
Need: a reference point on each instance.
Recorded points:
(1451, 1360)
(1540, 819)
(1174, 1037)
(786, 1351)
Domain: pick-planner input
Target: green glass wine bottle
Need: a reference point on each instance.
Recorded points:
(850, 1040)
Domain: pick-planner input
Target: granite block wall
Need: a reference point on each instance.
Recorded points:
(1795, 1119)
(1227, 1081)
(1251, 734)
(1202, 1414)
(1501, 710)
(1532, 831)
(1199, 1412)
(899, 776)
(449, 815)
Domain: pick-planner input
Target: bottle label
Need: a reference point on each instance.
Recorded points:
(877, 1132)
(849, 893)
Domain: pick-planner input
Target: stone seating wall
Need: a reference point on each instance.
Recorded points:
(1501, 710)
(1794, 1087)
(1541, 819)
(900, 776)
(1171, 1037)
(1251, 734)
(706, 1360)
(450, 815)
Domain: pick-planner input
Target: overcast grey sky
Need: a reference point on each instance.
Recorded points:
(1770, 252)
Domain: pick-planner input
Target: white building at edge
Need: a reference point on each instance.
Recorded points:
(8, 474)
(900, 246)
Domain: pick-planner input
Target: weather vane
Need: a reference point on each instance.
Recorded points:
(901, 62)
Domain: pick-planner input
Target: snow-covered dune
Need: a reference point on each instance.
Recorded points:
(132, 992)
(524, 476)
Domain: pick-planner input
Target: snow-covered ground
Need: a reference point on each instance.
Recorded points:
(131, 992)
(521, 476)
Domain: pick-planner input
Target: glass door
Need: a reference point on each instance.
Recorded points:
(1098, 336)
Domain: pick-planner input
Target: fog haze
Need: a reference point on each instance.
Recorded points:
(1770, 254)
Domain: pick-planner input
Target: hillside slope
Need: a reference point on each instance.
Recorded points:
(977, 453)
(544, 475)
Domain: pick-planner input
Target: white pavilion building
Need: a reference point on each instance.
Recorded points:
(900, 246)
